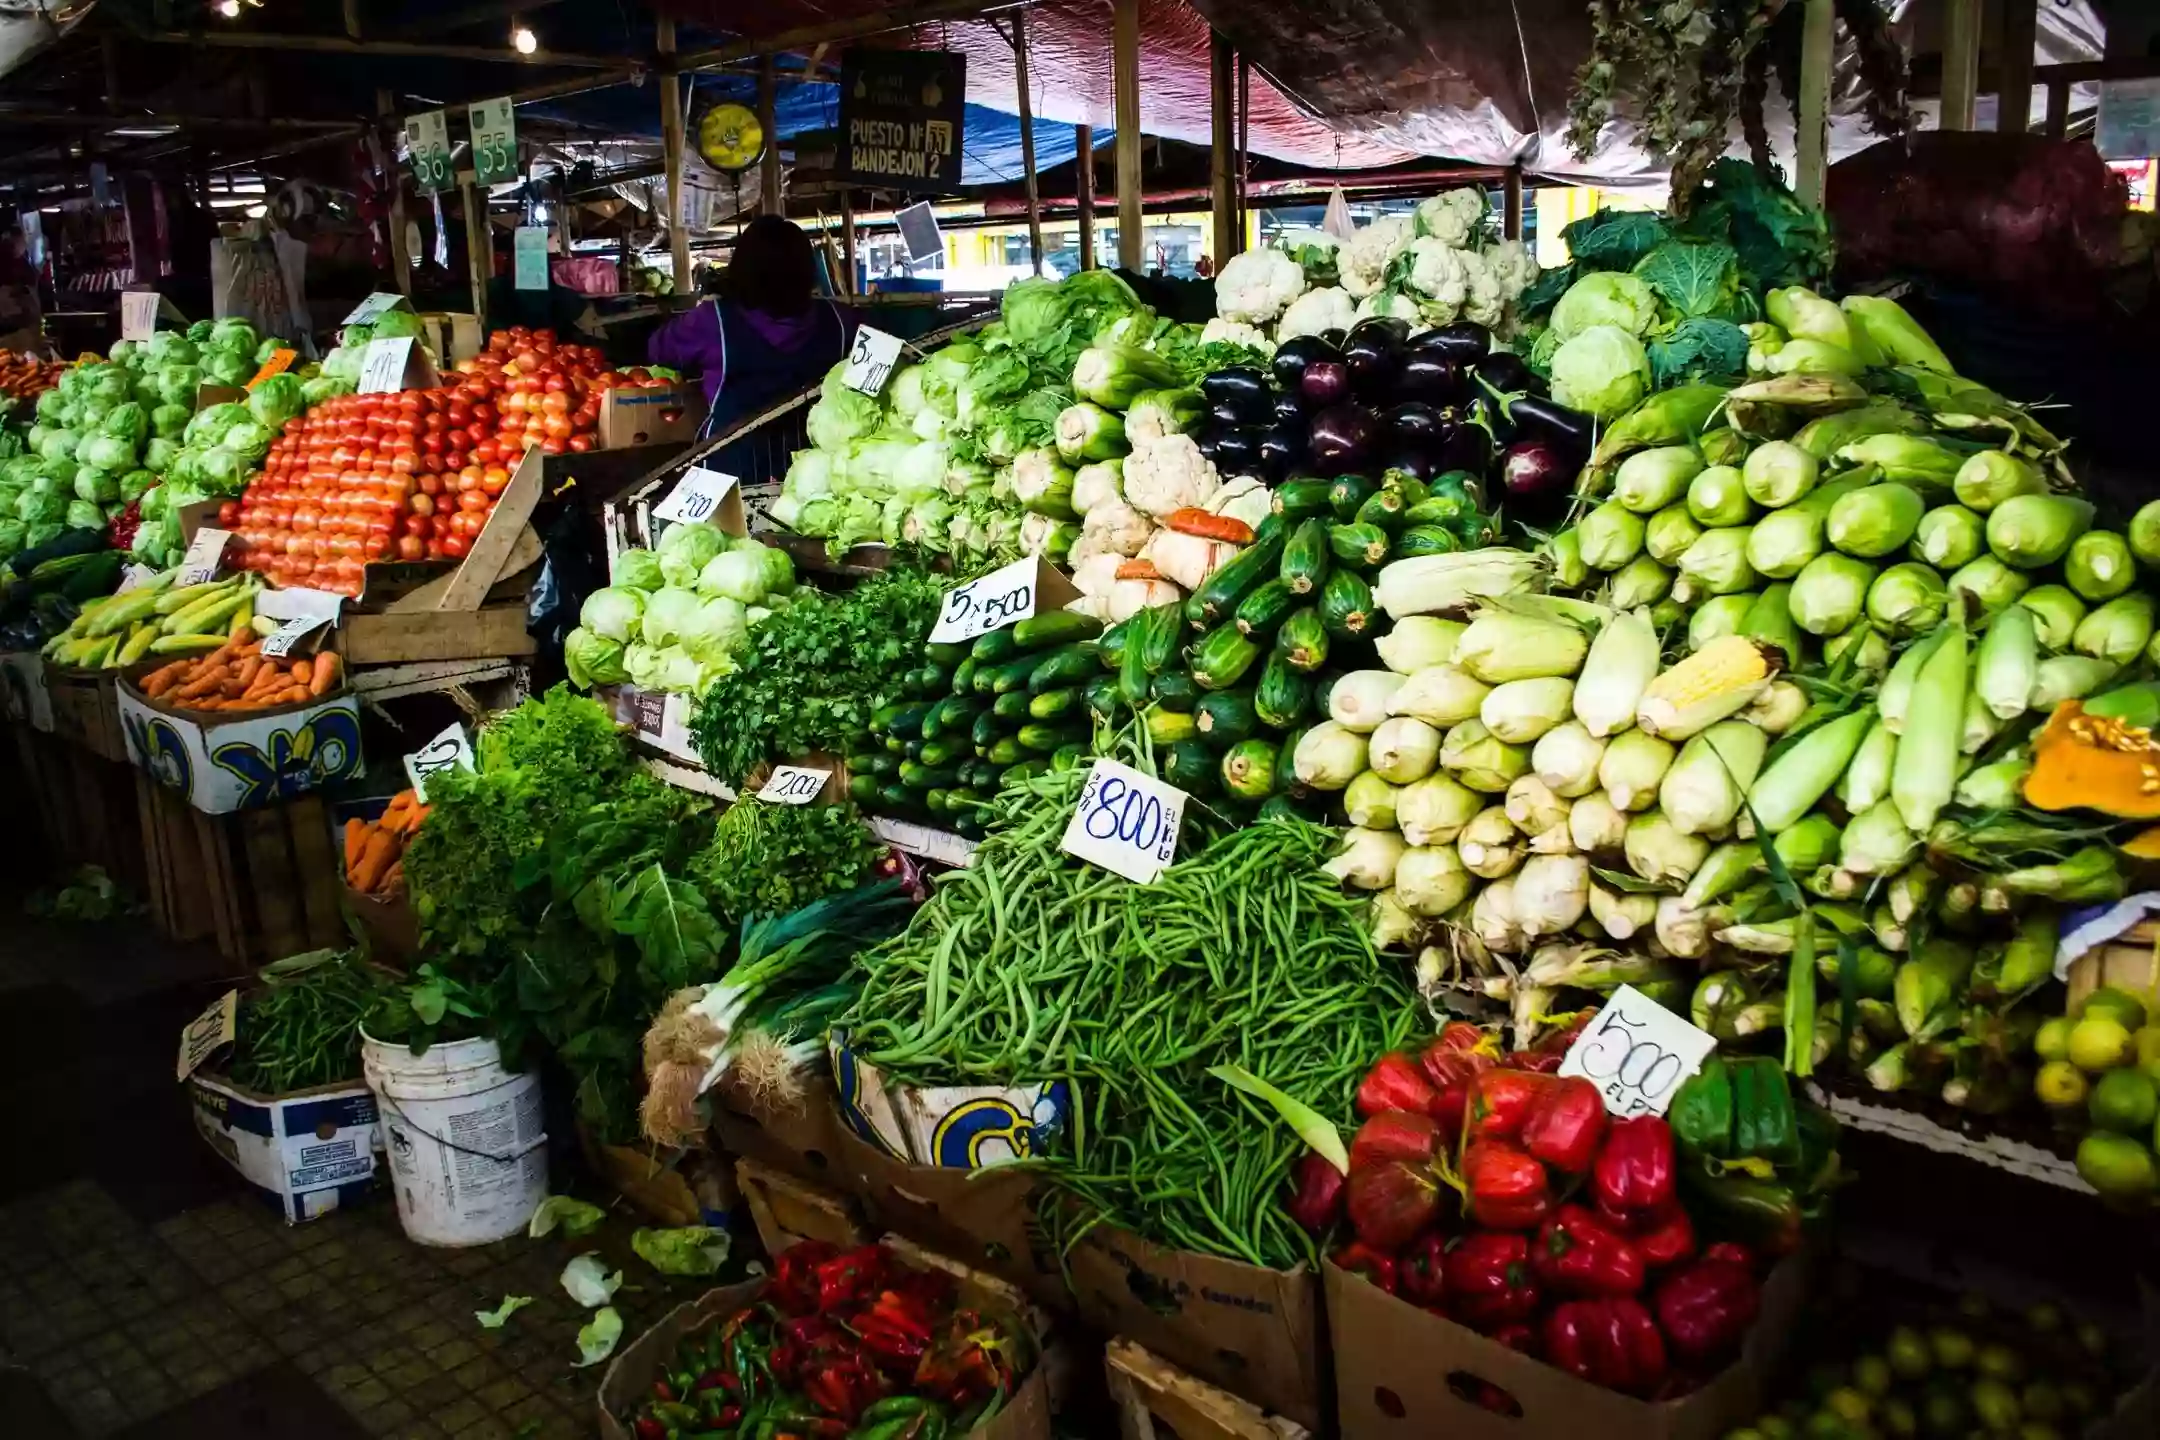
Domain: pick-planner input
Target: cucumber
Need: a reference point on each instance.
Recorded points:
(1272, 528)
(904, 721)
(1190, 766)
(934, 800)
(1159, 643)
(951, 716)
(1219, 594)
(1303, 641)
(1044, 738)
(1110, 648)
(1007, 751)
(1248, 769)
(1347, 494)
(979, 679)
(1425, 540)
(1068, 665)
(1264, 607)
(1362, 546)
(970, 826)
(989, 725)
(1221, 657)
(963, 678)
(944, 655)
(1383, 510)
(1225, 717)
(1059, 627)
(1023, 772)
(1284, 806)
(1286, 781)
(1103, 698)
(1011, 707)
(943, 754)
(1305, 556)
(1297, 499)
(1014, 674)
(1175, 690)
(1283, 697)
(897, 744)
(910, 750)
(1063, 704)
(1346, 605)
(926, 683)
(994, 647)
(862, 788)
(963, 799)
(1405, 484)
(1065, 757)
(1134, 679)
(892, 795)
(1167, 727)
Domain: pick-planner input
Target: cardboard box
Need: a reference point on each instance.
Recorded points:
(650, 415)
(630, 1375)
(1396, 1368)
(964, 1127)
(1145, 1388)
(666, 1185)
(787, 1209)
(262, 757)
(24, 700)
(394, 638)
(312, 1151)
(803, 1142)
(1254, 1332)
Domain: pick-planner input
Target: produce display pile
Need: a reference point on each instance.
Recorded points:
(375, 849)
(674, 618)
(301, 1028)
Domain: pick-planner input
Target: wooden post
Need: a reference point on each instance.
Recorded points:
(1818, 46)
(1084, 191)
(772, 198)
(1027, 139)
(2013, 91)
(400, 258)
(479, 245)
(1511, 197)
(1244, 154)
(1125, 83)
(847, 237)
(671, 141)
(1960, 63)
(2058, 109)
(1222, 191)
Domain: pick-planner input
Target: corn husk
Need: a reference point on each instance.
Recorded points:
(1492, 918)
(1718, 497)
(1907, 599)
(1452, 584)
(1403, 750)
(1683, 929)
(1950, 536)
(1329, 756)
(1617, 668)
(1667, 534)
(1551, 893)
(1434, 810)
(1566, 759)
(1866, 781)
(1419, 642)
(1778, 708)
(1621, 916)
(1359, 701)
(2007, 662)
(1925, 771)
(1480, 759)
(1659, 852)
(1500, 646)
(1596, 825)
(1721, 679)
(1610, 536)
(1806, 770)
(1632, 767)
(1716, 618)
(1520, 711)
(1369, 802)
(1490, 846)
(1991, 585)
(1534, 808)
(2033, 531)
(1778, 473)
(2100, 566)
(2118, 631)
(1877, 841)
(2068, 677)
(1430, 880)
(1649, 480)
(1368, 859)
(1441, 695)
(1642, 581)
(1390, 924)
(1706, 786)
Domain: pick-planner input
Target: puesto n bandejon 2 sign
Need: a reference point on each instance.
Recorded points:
(901, 113)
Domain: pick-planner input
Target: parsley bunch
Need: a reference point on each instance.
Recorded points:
(772, 859)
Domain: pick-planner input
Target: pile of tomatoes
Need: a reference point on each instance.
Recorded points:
(414, 475)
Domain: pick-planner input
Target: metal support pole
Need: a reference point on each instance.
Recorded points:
(1511, 198)
(352, 19)
(2014, 66)
(1027, 139)
(671, 141)
(1125, 83)
(847, 238)
(772, 196)
(479, 246)
(1960, 63)
(1222, 190)
(1818, 45)
(109, 54)
(1084, 191)
(400, 258)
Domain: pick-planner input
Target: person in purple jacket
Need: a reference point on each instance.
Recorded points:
(764, 336)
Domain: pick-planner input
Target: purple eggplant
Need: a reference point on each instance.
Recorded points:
(1537, 472)
(1342, 436)
(1290, 409)
(1223, 415)
(1210, 445)
(1416, 425)
(1280, 448)
(1432, 377)
(1238, 392)
(1237, 449)
(1536, 417)
(1374, 353)
(1294, 354)
(1505, 373)
(1325, 382)
(1465, 341)
(1415, 462)
(1468, 447)
(1333, 336)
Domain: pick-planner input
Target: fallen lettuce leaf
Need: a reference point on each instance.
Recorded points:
(588, 1281)
(578, 1218)
(500, 1316)
(687, 1250)
(597, 1340)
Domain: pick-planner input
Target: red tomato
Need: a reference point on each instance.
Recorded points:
(422, 504)
(579, 444)
(472, 500)
(453, 546)
(420, 525)
(411, 547)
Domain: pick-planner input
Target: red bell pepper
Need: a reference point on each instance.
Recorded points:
(1733, 1251)
(1376, 1266)
(1394, 1083)
(1394, 1189)
(852, 1275)
(1666, 1239)
(1521, 1337)
(1452, 1073)
(1633, 1179)
(1462, 1035)
(1506, 1187)
(1501, 1102)
(1578, 1254)
(1706, 1308)
(794, 1286)
(1489, 1279)
(1536, 1062)
(647, 1428)
(1316, 1195)
(1421, 1271)
(1566, 1125)
(1611, 1342)
(802, 1340)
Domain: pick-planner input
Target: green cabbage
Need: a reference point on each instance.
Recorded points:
(593, 659)
(171, 348)
(638, 570)
(235, 335)
(396, 323)
(199, 332)
(108, 452)
(11, 536)
(736, 574)
(177, 385)
(247, 439)
(613, 613)
(135, 484)
(84, 515)
(1602, 371)
(99, 487)
(49, 406)
(169, 422)
(158, 454)
(841, 415)
(129, 422)
(209, 425)
(227, 367)
(223, 472)
(41, 532)
(684, 550)
(323, 387)
(667, 611)
(60, 445)
(277, 400)
(1605, 297)
(716, 629)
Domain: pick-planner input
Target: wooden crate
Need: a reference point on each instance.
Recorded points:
(264, 883)
(1157, 1401)
(84, 806)
(2131, 961)
(786, 1209)
(86, 710)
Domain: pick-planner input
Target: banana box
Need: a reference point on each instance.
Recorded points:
(958, 1127)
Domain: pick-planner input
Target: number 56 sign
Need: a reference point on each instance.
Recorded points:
(1637, 1053)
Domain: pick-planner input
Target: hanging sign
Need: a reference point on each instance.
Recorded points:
(447, 751)
(793, 785)
(529, 252)
(281, 360)
(902, 115)
(134, 577)
(1637, 1053)
(279, 642)
(919, 232)
(870, 364)
(427, 147)
(204, 552)
(701, 494)
(494, 140)
(1126, 822)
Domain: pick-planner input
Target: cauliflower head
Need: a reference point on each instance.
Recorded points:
(1169, 474)
(1389, 304)
(1483, 300)
(1452, 216)
(1257, 285)
(1513, 264)
(1440, 274)
(1330, 308)
(1115, 528)
(1363, 259)
(1237, 332)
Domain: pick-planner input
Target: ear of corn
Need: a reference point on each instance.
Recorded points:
(1721, 679)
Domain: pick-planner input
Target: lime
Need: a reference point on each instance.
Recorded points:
(1899, 1419)
(2052, 1040)
(2101, 1042)
(2124, 1101)
(1995, 1405)
(2147, 1038)
(2115, 1002)
(1953, 1349)
(2060, 1085)
(1909, 1354)
(2120, 1168)
(1872, 1375)
(1848, 1405)
(1999, 1362)
(2043, 1402)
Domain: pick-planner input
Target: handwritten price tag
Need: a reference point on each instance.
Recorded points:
(1637, 1053)
(870, 364)
(134, 578)
(447, 751)
(377, 305)
(204, 553)
(216, 1026)
(279, 642)
(1005, 596)
(793, 785)
(138, 314)
(382, 368)
(1126, 822)
(697, 496)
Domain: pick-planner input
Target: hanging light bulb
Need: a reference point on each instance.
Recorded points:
(523, 39)
(230, 9)
(540, 212)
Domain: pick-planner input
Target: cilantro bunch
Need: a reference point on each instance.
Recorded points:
(772, 859)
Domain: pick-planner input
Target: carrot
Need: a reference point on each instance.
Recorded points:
(327, 668)
(356, 833)
(376, 856)
(1138, 570)
(1192, 520)
(249, 668)
(294, 696)
(203, 684)
(302, 672)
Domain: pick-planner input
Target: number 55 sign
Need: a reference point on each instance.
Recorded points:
(1637, 1053)
(494, 140)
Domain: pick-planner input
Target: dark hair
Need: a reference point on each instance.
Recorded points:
(772, 269)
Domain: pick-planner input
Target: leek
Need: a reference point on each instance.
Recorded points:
(1434, 810)
(1369, 802)
(2007, 662)
(1534, 809)
(1874, 521)
(2032, 532)
(2118, 631)
(1718, 496)
(1668, 534)
(1480, 759)
(1640, 582)
(1551, 894)
(1949, 536)
(1618, 666)
(1717, 618)
(1368, 858)
(1566, 757)
(1596, 825)
(1708, 783)
(1500, 646)
(1430, 880)
(1441, 695)
(1610, 536)
(1403, 750)
(1659, 852)
(1866, 781)
(2100, 566)
(1907, 599)
(1631, 769)
(1418, 642)
(1649, 480)
(1805, 770)
(1488, 844)
(1520, 711)
(1925, 771)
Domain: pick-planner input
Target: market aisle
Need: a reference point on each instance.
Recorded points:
(144, 1291)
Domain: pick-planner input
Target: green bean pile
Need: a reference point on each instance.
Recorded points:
(302, 1029)
(1031, 966)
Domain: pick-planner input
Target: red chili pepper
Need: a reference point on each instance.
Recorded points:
(1394, 1083)
(662, 1391)
(719, 1380)
(648, 1428)
(1393, 1191)
(851, 1275)
(1579, 1254)
(895, 1330)
(971, 1357)
(1375, 1265)
(793, 1285)
(1566, 1125)
(1501, 1102)
(1666, 1239)
(1421, 1272)
(1506, 1187)
(1732, 1251)
(1489, 1279)
(1706, 1308)
(726, 1415)
(1633, 1177)
(1610, 1342)
(1316, 1195)
(842, 1382)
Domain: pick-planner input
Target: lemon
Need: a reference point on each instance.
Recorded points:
(2052, 1040)
(2101, 1042)
(2061, 1085)
(2115, 1002)
(2120, 1168)
(2124, 1101)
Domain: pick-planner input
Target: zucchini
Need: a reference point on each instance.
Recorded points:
(1063, 667)
(1007, 751)
(1303, 641)
(1044, 738)
(963, 678)
(1103, 698)
(1305, 556)
(1225, 717)
(1014, 674)
(1011, 707)
(1425, 540)
(862, 788)
(1264, 607)
(1347, 494)
(1346, 605)
(1110, 648)
(1248, 769)
(1063, 704)
(1283, 697)
(1190, 766)
(1301, 498)
(1221, 657)
(1167, 727)
(994, 647)
(1159, 643)
(892, 795)
(1362, 546)
(989, 725)
(1175, 690)
(1058, 627)
(944, 655)
(1219, 594)
(1383, 510)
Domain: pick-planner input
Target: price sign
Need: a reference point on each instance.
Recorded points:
(447, 751)
(200, 564)
(427, 146)
(377, 305)
(382, 367)
(794, 785)
(208, 1031)
(529, 257)
(1126, 822)
(870, 364)
(138, 314)
(697, 496)
(279, 362)
(1005, 596)
(134, 577)
(1637, 1053)
(279, 642)
(494, 140)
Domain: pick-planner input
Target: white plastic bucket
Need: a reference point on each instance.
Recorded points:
(466, 1140)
